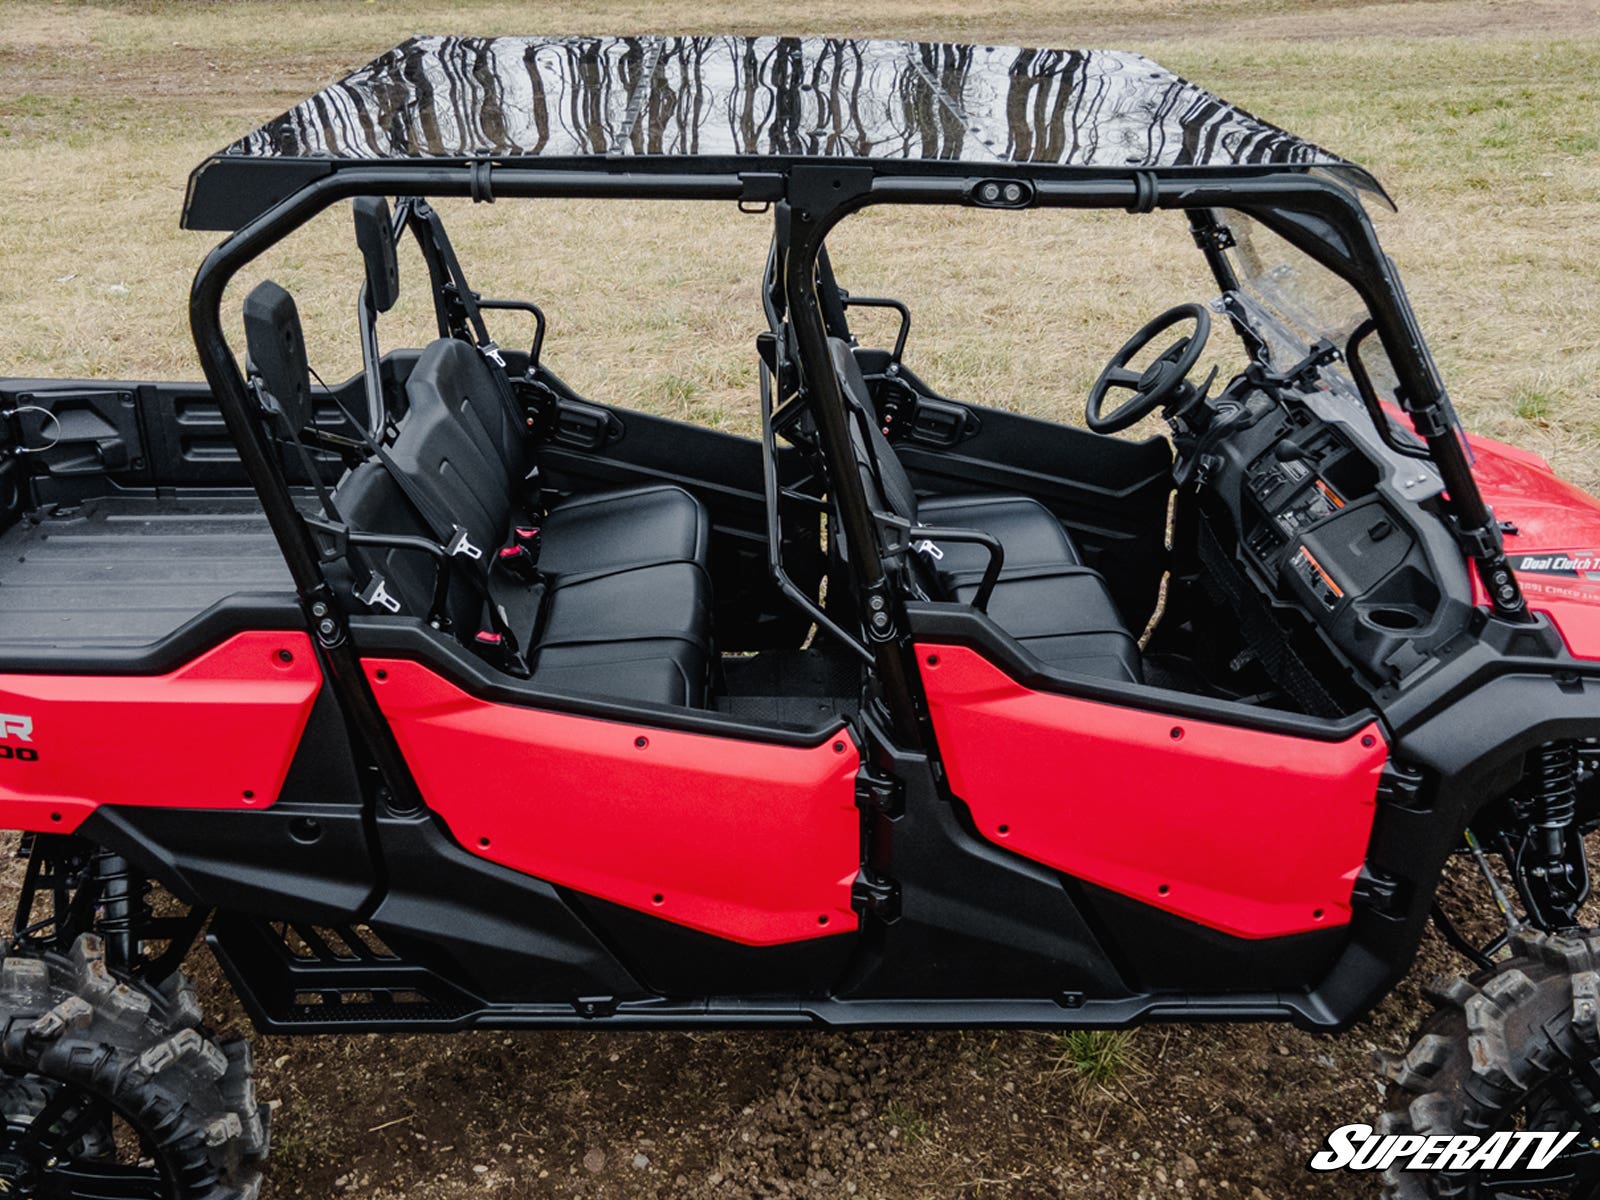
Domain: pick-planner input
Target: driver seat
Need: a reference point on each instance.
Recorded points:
(1058, 608)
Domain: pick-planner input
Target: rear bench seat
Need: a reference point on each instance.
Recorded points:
(623, 605)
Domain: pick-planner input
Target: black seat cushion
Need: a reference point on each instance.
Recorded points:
(1060, 610)
(637, 526)
(1065, 618)
(642, 672)
(641, 632)
(1030, 535)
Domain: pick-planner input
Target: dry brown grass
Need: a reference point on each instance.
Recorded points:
(1482, 117)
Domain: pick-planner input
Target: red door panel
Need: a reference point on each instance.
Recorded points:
(218, 732)
(747, 841)
(1256, 834)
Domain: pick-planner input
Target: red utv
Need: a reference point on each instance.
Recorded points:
(447, 697)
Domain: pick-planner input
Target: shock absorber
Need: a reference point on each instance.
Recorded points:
(1553, 786)
(122, 905)
(1551, 868)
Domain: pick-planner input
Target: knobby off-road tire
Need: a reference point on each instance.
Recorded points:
(72, 1030)
(1513, 1047)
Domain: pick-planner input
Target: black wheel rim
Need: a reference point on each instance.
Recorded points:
(45, 1151)
(1567, 1100)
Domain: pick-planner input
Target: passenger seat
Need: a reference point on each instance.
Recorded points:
(1059, 609)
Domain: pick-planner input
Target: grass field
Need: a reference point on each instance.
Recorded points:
(1482, 118)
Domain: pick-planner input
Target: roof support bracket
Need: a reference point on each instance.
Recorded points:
(816, 191)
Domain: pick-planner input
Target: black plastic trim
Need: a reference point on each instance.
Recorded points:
(239, 613)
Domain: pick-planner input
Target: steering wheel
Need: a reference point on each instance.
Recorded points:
(1162, 382)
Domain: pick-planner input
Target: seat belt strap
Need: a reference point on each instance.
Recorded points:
(468, 299)
(374, 591)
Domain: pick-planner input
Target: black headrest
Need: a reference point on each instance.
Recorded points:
(277, 350)
(375, 238)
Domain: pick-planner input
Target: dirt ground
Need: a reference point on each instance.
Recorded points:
(1224, 1111)
(1481, 116)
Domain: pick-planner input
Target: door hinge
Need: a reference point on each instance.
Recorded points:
(876, 895)
(1400, 786)
(877, 792)
(1377, 892)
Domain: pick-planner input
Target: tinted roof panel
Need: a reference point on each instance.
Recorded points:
(548, 98)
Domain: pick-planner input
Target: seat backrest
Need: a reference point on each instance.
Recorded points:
(882, 473)
(459, 442)
(371, 501)
(460, 449)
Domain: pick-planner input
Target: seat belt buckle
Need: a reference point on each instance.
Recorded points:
(517, 561)
(501, 650)
(929, 548)
(376, 594)
(530, 539)
(461, 543)
(491, 351)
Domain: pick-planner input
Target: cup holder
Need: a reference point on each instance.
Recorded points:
(1394, 618)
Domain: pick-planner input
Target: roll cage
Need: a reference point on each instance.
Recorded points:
(1319, 215)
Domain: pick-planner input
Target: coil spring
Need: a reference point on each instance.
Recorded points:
(123, 902)
(1553, 778)
(1554, 771)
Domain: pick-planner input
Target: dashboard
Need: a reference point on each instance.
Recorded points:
(1331, 524)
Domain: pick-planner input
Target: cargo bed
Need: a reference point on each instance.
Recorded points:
(119, 573)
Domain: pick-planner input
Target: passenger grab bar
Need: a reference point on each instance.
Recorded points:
(939, 533)
(527, 306)
(991, 570)
(899, 306)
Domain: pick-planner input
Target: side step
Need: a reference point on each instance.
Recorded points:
(296, 978)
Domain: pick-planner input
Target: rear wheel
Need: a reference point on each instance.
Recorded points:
(112, 1091)
(1516, 1048)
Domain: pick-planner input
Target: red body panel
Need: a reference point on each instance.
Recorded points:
(1556, 549)
(219, 732)
(1256, 834)
(744, 840)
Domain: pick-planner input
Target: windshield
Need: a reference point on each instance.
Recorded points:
(1291, 302)
(1303, 300)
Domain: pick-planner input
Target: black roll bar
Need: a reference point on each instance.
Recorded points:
(1314, 213)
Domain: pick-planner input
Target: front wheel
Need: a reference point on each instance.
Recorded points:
(112, 1091)
(1515, 1048)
